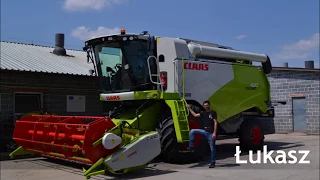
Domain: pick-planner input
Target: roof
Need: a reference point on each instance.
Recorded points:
(295, 69)
(34, 58)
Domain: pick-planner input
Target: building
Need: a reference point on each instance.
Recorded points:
(300, 89)
(50, 78)
(58, 80)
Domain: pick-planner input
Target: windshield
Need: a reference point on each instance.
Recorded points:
(122, 66)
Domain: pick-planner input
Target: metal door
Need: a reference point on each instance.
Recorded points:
(299, 114)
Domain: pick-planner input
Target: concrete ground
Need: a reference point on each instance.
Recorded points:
(226, 167)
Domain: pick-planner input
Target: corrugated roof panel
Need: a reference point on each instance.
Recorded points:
(26, 57)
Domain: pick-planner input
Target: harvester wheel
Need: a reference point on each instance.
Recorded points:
(251, 135)
(171, 148)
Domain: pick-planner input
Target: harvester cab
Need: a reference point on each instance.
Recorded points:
(124, 63)
(152, 78)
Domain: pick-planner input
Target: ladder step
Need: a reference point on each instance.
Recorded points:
(182, 118)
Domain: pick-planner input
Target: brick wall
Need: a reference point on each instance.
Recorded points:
(283, 85)
(55, 87)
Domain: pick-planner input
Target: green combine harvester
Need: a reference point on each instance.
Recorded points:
(150, 80)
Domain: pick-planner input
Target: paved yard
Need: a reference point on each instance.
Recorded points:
(227, 168)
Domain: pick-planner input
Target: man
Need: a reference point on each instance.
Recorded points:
(209, 118)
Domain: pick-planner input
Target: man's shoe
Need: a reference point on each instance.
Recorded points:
(212, 166)
(189, 149)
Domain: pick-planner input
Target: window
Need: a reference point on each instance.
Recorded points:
(124, 66)
(27, 102)
(161, 58)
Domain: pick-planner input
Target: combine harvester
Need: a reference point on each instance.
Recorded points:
(151, 79)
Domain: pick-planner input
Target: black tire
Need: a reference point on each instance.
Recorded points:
(251, 135)
(169, 145)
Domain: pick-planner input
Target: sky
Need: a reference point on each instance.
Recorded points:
(285, 30)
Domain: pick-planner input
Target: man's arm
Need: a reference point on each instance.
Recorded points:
(192, 112)
(214, 135)
(215, 126)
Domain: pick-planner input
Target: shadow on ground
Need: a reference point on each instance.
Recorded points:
(223, 151)
(76, 169)
(150, 171)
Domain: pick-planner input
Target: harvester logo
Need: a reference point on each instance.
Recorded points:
(154, 136)
(281, 157)
(121, 156)
(113, 98)
(253, 86)
(185, 94)
(131, 154)
(196, 66)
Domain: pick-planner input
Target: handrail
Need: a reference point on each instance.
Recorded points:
(177, 108)
(156, 75)
(183, 93)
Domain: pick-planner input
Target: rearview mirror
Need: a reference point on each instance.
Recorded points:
(109, 69)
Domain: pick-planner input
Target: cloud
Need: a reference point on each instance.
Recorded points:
(242, 36)
(299, 50)
(84, 33)
(80, 5)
